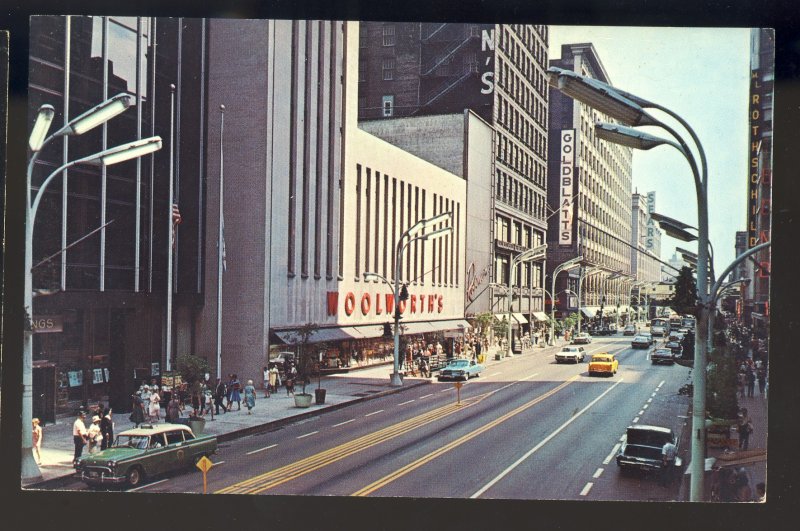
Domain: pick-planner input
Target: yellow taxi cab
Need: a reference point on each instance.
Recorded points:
(603, 363)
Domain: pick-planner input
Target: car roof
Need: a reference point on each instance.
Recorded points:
(645, 427)
(147, 429)
(663, 350)
(571, 347)
(602, 354)
(639, 336)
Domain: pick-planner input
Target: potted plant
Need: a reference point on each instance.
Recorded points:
(306, 365)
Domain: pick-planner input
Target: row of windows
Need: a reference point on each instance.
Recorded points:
(521, 125)
(527, 274)
(520, 195)
(387, 206)
(516, 157)
(520, 88)
(525, 41)
(516, 232)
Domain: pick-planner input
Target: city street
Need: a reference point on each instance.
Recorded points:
(527, 428)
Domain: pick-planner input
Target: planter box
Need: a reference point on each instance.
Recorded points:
(197, 425)
(302, 400)
(319, 396)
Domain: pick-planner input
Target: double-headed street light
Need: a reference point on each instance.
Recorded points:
(525, 256)
(569, 264)
(629, 110)
(410, 235)
(36, 142)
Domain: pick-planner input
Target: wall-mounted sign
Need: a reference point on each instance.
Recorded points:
(651, 225)
(756, 92)
(566, 183)
(43, 324)
(155, 369)
(97, 376)
(75, 378)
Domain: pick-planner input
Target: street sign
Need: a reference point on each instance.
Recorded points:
(204, 464)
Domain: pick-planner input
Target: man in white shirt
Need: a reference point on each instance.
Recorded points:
(94, 435)
(668, 452)
(79, 435)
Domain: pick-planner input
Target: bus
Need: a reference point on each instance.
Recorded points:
(660, 327)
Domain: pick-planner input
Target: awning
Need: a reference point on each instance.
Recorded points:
(520, 318)
(452, 324)
(588, 312)
(421, 327)
(290, 337)
(540, 316)
(516, 318)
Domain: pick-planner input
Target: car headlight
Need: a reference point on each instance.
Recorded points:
(111, 464)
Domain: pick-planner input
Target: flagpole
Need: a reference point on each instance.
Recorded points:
(170, 228)
(220, 243)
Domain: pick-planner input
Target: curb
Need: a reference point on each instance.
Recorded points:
(61, 481)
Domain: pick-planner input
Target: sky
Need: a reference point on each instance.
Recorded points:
(702, 74)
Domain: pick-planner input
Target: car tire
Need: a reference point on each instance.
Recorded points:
(135, 476)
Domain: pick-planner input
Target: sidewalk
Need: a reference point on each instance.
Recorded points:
(342, 389)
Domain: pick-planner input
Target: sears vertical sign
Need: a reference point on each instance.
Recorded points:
(566, 182)
(651, 226)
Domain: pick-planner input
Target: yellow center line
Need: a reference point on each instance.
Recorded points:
(458, 442)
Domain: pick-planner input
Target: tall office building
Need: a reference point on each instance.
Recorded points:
(498, 72)
(759, 175)
(593, 179)
(645, 239)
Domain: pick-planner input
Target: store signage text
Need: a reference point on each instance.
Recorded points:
(566, 178)
(753, 164)
(487, 78)
(47, 323)
(382, 303)
(651, 226)
(474, 280)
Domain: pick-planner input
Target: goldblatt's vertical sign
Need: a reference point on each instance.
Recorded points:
(567, 181)
(754, 181)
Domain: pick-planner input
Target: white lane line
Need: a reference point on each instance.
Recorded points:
(645, 406)
(307, 434)
(597, 473)
(610, 456)
(374, 413)
(659, 385)
(261, 449)
(649, 400)
(544, 441)
(148, 485)
(219, 463)
(494, 374)
(343, 423)
(586, 489)
(406, 402)
(635, 420)
(529, 377)
(653, 394)
(426, 396)
(447, 390)
(641, 412)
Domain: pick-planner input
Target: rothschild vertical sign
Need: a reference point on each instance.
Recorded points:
(566, 182)
(754, 167)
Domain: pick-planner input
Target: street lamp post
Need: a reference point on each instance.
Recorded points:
(406, 238)
(569, 264)
(36, 142)
(526, 256)
(628, 109)
(584, 272)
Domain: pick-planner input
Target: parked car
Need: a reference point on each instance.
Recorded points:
(640, 341)
(460, 369)
(629, 330)
(675, 347)
(143, 452)
(642, 448)
(571, 353)
(603, 363)
(662, 355)
(581, 339)
(281, 360)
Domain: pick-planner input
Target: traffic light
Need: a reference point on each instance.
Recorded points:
(404, 293)
(387, 330)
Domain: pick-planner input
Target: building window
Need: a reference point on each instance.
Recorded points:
(388, 69)
(388, 106)
(388, 35)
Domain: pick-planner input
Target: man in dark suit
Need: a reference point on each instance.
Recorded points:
(219, 394)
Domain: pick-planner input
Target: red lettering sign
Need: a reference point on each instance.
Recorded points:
(333, 302)
(349, 303)
(366, 303)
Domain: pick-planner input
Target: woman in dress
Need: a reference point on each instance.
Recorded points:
(249, 396)
(155, 406)
(37, 441)
(273, 379)
(236, 392)
(137, 415)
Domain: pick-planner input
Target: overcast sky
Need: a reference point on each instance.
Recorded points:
(702, 75)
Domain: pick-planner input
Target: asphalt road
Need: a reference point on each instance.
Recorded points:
(527, 428)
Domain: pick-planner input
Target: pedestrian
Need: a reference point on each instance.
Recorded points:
(106, 429)
(668, 452)
(291, 373)
(751, 382)
(273, 378)
(219, 394)
(208, 400)
(740, 383)
(155, 406)
(196, 391)
(137, 414)
(762, 378)
(745, 429)
(173, 409)
(94, 435)
(236, 393)
(79, 436)
(249, 396)
(547, 338)
(265, 374)
(229, 392)
(37, 441)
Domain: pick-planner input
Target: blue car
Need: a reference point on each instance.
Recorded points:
(460, 369)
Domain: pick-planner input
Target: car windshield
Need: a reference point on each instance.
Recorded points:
(601, 357)
(459, 363)
(570, 349)
(640, 338)
(132, 441)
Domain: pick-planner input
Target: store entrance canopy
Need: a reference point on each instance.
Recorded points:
(540, 316)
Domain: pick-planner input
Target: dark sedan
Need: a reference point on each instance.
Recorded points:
(675, 347)
(662, 355)
(640, 342)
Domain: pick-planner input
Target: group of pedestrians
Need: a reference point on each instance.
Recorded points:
(97, 437)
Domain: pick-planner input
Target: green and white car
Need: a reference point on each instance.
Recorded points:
(146, 451)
